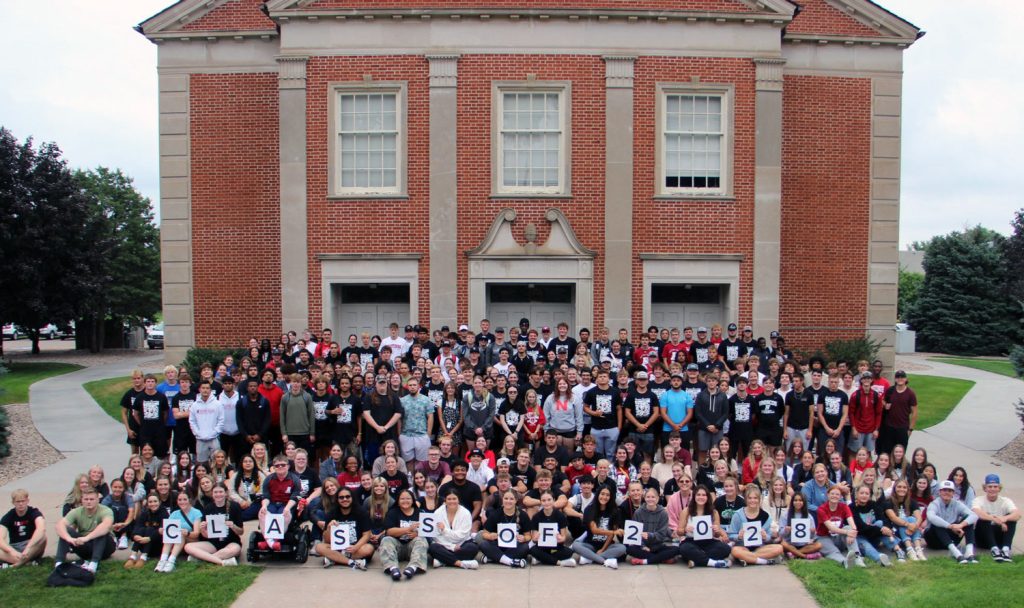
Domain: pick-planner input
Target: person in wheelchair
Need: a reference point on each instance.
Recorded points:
(281, 493)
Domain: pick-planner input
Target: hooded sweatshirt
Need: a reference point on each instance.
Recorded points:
(712, 410)
(206, 418)
(655, 524)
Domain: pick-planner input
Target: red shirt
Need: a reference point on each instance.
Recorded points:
(534, 420)
(837, 517)
(865, 411)
(572, 472)
(273, 395)
(750, 470)
(671, 352)
(350, 480)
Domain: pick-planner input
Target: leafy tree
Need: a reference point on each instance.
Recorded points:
(963, 306)
(909, 288)
(49, 238)
(128, 287)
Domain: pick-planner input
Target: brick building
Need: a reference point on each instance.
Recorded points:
(345, 163)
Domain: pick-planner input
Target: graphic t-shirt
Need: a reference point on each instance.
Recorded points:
(607, 401)
(642, 405)
(20, 528)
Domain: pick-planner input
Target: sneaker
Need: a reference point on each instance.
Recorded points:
(533, 561)
(859, 562)
(884, 560)
(920, 554)
(394, 574)
(90, 566)
(1006, 555)
(971, 559)
(813, 556)
(169, 566)
(327, 563)
(584, 561)
(901, 556)
(485, 560)
(123, 543)
(357, 564)
(690, 564)
(470, 564)
(636, 561)
(437, 564)
(567, 563)
(723, 563)
(190, 559)
(521, 563)
(775, 561)
(961, 560)
(611, 562)
(160, 565)
(230, 562)
(847, 561)
(410, 572)
(912, 555)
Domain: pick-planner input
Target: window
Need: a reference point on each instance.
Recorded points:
(532, 155)
(368, 141)
(694, 144)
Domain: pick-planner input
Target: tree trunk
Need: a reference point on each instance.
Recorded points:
(33, 334)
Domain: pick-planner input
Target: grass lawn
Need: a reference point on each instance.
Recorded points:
(14, 385)
(938, 582)
(189, 586)
(108, 394)
(936, 397)
(1002, 367)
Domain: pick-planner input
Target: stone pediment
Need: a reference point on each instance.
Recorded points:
(561, 242)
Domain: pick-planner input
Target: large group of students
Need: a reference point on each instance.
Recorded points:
(528, 448)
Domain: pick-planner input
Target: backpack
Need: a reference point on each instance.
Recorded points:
(70, 575)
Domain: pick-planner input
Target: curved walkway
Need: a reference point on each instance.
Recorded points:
(982, 423)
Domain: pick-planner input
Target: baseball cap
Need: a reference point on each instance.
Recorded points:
(463, 327)
(641, 375)
(702, 330)
(748, 328)
(409, 328)
(276, 351)
(545, 329)
(445, 343)
(652, 354)
(476, 452)
(524, 321)
(992, 478)
(732, 327)
(382, 378)
(773, 334)
(445, 329)
(577, 455)
(947, 485)
(900, 374)
(504, 460)
(499, 330)
(678, 375)
(692, 367)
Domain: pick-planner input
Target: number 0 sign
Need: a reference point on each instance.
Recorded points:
(702, 527)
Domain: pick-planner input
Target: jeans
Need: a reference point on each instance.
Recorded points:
(607, 440)
(644, 442)
(901, 531)
(94, 550)
(585, 549)
(868, 547)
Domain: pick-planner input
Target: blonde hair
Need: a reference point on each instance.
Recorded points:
(20, 494)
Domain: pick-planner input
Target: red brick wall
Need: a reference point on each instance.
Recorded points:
(820, 17)
(236, 274)
(585, 210)
(729, 6)
(233, 15)
(363, 225)
(825, 208)
(693, 226)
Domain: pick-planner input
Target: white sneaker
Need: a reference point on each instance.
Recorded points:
(920, 554)
(859, 561)
(231, 562)
(357, 564)
(160, 565)
(567, 563)
(90, 566)
(612, 563)
(123, 543)
(470, 564)
(327, 563)
(437, 564)
(585, 562)
(884, 560)
(169, 566)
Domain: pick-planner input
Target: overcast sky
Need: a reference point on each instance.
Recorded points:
(76, 73)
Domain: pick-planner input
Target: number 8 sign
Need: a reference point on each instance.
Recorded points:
(801, 530)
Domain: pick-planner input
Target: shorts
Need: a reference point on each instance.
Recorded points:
(706, 439)
(866, 440)
(567, 434)
(414, 447)
(20, 547)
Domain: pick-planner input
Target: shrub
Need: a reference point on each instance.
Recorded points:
(1017, 359)
(850, 351)
(197, 356)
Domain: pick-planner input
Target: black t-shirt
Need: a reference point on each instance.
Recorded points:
(396, 519)
(357, 519)
(498, 516)
(511, 412)
(128, 403)
(308, 481)
(798, 405)
(20, 529)
(468, 493)
(694, 388)
(346, 421)
(152, 410)
(537, 352)
(741, 415)
(568, 346)
(560, 454)
(816, 395)
(396, 483)
(556, 517)
(730, 350)
(234, 513)
(434, 392)
(659, 388)
(386, 407)
(641, 404)
(769, 411)
(726, 508)
(832, 407)
(699, 354)
(606, 520)
(324, 421)
(607, 401)
(527, 476)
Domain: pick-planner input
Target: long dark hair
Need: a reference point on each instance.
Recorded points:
(709, 506)
(611, 510)
(961, 489)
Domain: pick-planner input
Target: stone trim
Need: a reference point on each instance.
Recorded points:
(767, 195)
(619, 71)
(292, 176)
(728, 94)
(618, 184)
(699, 269)
(719, 257)
(443, 188)
(564, 90)
(768, 73)
(291, 72)
(561, 241)
(368, 268)
(176, 216)
(335, 257)
(444, 70)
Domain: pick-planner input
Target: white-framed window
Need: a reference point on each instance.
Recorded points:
(694, 142)
(531, 138)
(367, 151)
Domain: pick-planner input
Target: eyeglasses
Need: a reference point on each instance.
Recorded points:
(280, 465)
(344, 498)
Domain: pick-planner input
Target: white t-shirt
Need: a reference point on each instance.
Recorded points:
(1001, 507)
(398, 346)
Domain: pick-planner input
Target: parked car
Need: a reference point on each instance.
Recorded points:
(48, 332)
(155, 336)
(13, 332)
(67, 332)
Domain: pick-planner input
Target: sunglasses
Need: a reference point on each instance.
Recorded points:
(279, 466)
(345, 498)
